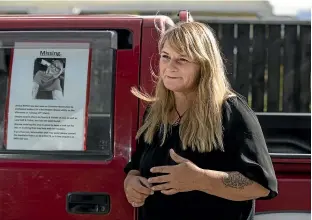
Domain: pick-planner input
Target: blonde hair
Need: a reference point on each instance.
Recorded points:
(201, 126)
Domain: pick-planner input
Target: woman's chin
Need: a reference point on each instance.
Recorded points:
(173, 86)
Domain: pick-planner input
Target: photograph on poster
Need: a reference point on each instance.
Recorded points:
(46, 111)
(49, 76)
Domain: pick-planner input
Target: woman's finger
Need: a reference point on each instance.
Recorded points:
(132, 199)
(143, 190)
(137, 204)
(135, 194)
(160, 179)
(169, 191)
(144, 182)
(163, 169)
(164, 186)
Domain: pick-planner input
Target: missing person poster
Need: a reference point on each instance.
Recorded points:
(48, 96)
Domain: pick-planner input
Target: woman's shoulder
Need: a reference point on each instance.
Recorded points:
(38, 76)
(39, 73)
(236, 108)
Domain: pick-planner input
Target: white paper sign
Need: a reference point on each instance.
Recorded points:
(47, 99)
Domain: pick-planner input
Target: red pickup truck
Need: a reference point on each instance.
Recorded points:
(60, 173)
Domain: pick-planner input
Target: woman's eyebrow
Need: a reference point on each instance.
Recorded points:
(180, 55)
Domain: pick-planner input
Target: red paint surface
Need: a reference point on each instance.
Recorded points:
(294, 183)
(37, 190)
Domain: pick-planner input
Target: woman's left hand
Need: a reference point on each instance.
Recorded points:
(182, 177)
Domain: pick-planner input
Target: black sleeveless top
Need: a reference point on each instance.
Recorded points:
(245, 151)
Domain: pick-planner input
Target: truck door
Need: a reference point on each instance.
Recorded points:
(67, 118)
(288, 137)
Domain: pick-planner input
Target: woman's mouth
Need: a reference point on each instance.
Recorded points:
(172, 77)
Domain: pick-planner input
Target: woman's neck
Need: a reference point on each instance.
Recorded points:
(183, 101)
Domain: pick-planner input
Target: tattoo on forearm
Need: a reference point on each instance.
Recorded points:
(236, 180)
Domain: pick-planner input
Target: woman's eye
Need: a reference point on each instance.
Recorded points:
(165, 56)
(183, 60)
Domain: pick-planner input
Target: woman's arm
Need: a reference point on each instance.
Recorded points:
(57, 95)
(186, 176)
(35, 89)
(230, 185)
(249, 175)
(253, 174)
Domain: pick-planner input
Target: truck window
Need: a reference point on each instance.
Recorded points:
(48, 124)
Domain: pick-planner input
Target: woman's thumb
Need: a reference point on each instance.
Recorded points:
(144, 182)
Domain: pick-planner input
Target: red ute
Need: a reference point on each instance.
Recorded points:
(85, 181)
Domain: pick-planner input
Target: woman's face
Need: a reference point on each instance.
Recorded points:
(53, 70)
(178, 72)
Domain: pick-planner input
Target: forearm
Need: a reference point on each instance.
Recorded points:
(35, 90)
(57, 95)
(230, 185)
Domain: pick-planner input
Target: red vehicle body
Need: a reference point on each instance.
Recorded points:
(36, 185)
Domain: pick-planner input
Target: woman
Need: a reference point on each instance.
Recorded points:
(201, 153)
(49, 80)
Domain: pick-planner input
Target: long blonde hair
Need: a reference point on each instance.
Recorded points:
(201, 126)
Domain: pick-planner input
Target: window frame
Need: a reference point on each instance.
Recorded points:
(285, 122)
(88, 35)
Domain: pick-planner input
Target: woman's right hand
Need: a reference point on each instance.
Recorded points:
(137, 189)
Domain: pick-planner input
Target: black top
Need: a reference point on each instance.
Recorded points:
(245, 151)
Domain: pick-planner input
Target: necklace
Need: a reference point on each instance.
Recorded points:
(179, 116)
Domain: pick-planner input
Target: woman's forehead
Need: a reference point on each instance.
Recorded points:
(56, 62)
(174, 50)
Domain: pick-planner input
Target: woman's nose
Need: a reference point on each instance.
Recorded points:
(172, 65)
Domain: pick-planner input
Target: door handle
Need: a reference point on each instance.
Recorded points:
(88, 203)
